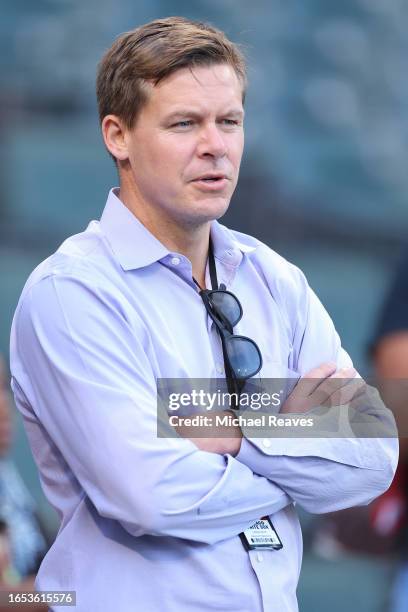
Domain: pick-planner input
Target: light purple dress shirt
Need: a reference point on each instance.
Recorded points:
(152, 523)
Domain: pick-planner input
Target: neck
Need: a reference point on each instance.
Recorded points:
(192, 241)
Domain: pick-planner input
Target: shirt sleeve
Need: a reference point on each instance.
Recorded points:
(324, 474)
(85, 369)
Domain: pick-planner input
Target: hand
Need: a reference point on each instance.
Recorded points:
(323, 386)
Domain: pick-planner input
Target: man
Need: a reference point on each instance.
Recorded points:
(149, 522)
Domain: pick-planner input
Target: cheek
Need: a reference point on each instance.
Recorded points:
(181, 150)
(236, 149)
(151, 166)
(172, 155)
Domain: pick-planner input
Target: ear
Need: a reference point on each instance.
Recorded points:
(113, 132)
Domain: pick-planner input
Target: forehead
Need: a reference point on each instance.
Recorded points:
(201, 86)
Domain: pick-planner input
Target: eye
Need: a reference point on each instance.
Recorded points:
(183, 124)
(230, 122)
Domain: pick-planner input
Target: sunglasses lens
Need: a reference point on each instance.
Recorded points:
(244, 356)
(228, 305)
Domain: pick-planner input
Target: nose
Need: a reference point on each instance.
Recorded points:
(212, 142)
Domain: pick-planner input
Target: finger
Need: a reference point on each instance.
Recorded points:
(326, 388)
(346, 393)
(308, 383)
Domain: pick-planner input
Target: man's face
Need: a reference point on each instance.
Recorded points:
(186, 146)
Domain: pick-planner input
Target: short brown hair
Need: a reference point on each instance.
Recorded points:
(152, 52)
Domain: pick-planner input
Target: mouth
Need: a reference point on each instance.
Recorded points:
(211, 181)
(211, 176)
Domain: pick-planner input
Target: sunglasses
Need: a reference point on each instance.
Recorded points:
(242, 356)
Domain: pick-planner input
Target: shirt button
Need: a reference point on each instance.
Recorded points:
(266, 443)
(259, 557)
(220, 368)
(175, 261)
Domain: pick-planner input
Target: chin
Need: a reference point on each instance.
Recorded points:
(200, 212)
(213, 209)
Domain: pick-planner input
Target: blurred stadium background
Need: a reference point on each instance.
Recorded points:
(324, 180)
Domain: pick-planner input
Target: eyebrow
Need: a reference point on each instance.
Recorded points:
(186, 112)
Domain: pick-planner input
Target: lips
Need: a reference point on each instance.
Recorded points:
(211, 177)
(211, 182)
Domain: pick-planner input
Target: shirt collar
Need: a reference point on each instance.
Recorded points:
(136, 247)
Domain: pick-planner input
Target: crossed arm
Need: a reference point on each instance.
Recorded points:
(328, 474)
(93, 390)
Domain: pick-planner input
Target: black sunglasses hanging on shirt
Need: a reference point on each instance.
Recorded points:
(242, 360)
(242, 357)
